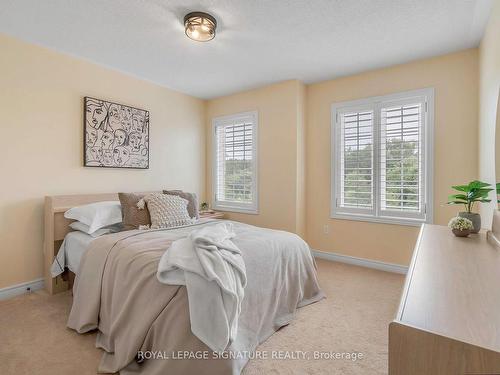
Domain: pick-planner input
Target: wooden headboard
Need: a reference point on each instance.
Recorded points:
(56, 226)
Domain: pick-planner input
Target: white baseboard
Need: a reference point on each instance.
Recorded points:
(18, 289)
(382, 266)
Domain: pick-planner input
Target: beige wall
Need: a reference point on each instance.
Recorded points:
(280, 148)
(489, 112)
(455, 80)
(41, 125)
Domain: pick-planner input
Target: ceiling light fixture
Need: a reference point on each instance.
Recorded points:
(200, 26)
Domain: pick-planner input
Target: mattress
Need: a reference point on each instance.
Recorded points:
(70, 253)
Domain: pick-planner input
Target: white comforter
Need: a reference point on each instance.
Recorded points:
(213, 270)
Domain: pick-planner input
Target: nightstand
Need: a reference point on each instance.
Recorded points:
(211, 215)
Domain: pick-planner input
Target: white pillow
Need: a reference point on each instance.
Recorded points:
(167, 211)
(96, 215)
(79, 226)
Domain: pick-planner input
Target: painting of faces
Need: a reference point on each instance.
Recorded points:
(116, 136)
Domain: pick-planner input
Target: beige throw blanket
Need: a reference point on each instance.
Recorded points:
(117, 292)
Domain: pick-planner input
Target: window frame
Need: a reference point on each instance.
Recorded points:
(229, 206)
(375, 214)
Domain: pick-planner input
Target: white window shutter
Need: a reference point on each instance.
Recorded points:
(401, 158)
(382, 158)
(235, 175)
(356, 160)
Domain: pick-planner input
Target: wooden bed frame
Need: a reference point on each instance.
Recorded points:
(57, 226)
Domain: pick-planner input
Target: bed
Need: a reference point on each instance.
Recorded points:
(117, 292)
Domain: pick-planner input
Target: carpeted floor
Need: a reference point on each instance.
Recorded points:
(354, 318)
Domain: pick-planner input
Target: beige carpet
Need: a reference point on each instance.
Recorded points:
(354, 318)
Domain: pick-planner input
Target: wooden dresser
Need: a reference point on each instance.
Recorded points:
(448, 321)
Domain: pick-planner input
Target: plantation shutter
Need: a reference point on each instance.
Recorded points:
(356, 161)
(401, 158)
(235, 173)
(382, 158)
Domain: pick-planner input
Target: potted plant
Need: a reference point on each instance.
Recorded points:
(204, 206)
(475, 191)
(460, 226)
(498, 191)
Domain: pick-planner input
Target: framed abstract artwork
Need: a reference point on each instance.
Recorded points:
(115, 135)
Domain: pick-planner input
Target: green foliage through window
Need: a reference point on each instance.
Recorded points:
(238, 180)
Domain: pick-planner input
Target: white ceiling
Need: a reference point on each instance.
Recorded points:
(258, 41)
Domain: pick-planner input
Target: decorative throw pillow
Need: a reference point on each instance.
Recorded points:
(133, 217)
(191, 198)
(167, 211)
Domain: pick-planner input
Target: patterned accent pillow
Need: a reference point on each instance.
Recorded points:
(191, 198)
(167, 211)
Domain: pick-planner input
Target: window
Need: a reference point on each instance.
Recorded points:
(234, 183)
(382, 158)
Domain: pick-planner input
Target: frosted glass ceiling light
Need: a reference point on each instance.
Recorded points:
(200, 26)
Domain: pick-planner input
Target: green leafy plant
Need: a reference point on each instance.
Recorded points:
(204, 206)
(475, 191)
(498, 191)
